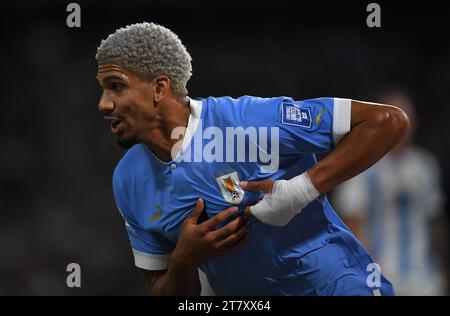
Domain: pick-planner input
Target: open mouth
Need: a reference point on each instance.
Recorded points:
(115, 124)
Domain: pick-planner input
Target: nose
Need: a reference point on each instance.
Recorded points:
(105, 104)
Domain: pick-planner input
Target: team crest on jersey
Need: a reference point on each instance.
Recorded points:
(230, 188)
(292, 114)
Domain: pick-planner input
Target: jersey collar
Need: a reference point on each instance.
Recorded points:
(193, 123)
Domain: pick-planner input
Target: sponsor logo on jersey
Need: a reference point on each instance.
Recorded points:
(293, 114)
(319, 116)
(157, 215)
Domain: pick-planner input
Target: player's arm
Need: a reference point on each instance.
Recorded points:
(183, 281)
(196, 245)
(374, 130)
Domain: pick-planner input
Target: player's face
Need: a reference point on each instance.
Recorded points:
(127, 103)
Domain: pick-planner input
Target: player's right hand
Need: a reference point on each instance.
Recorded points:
(199, 243)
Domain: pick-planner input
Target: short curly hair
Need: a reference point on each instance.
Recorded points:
(148, 49)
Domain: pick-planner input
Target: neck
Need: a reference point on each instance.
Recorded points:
(175, 113)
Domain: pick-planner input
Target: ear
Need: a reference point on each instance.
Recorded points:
(161, 85)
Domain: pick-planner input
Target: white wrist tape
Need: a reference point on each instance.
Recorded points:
(288, 198)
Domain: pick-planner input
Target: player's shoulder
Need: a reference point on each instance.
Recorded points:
(243, 100)
(131, 164)
(227, 103)
(245, 107)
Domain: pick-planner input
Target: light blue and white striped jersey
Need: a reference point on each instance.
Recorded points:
(397, 199)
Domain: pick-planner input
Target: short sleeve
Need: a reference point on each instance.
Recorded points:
(304, 127)
(151, 250)
(315, 125)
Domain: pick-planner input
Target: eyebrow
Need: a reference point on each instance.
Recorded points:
(110, 77)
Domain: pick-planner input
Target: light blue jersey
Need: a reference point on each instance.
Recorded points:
(277, 138)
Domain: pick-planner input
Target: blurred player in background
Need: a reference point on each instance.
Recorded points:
(296, 245)
(396, 209)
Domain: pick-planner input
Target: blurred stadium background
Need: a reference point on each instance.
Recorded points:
(57, 155)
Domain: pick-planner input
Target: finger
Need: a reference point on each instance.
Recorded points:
(247, 211)
(196, 212)
(229, 228)
(237, 245)
(219, 218)
(233, 238)
(264, 185)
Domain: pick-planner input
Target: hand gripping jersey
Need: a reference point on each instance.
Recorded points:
(249, 138)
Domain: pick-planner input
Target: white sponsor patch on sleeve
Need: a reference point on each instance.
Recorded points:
(292, 114)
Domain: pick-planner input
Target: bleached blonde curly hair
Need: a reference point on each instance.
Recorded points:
(148, 49)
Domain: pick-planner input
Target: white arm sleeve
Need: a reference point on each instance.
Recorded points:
(342, 110)
(148, 261)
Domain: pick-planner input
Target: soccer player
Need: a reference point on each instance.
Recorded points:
(396, 209)
(196, 169)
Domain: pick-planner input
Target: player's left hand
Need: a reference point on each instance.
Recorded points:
(265, 186)
(280, 203)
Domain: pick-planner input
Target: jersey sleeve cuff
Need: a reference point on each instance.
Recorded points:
(341, 119)
(148, 261)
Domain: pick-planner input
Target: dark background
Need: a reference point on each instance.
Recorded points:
(57, 154)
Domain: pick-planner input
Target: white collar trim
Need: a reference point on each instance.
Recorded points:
(193, 122)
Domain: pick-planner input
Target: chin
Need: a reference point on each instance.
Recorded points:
(125, 142)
